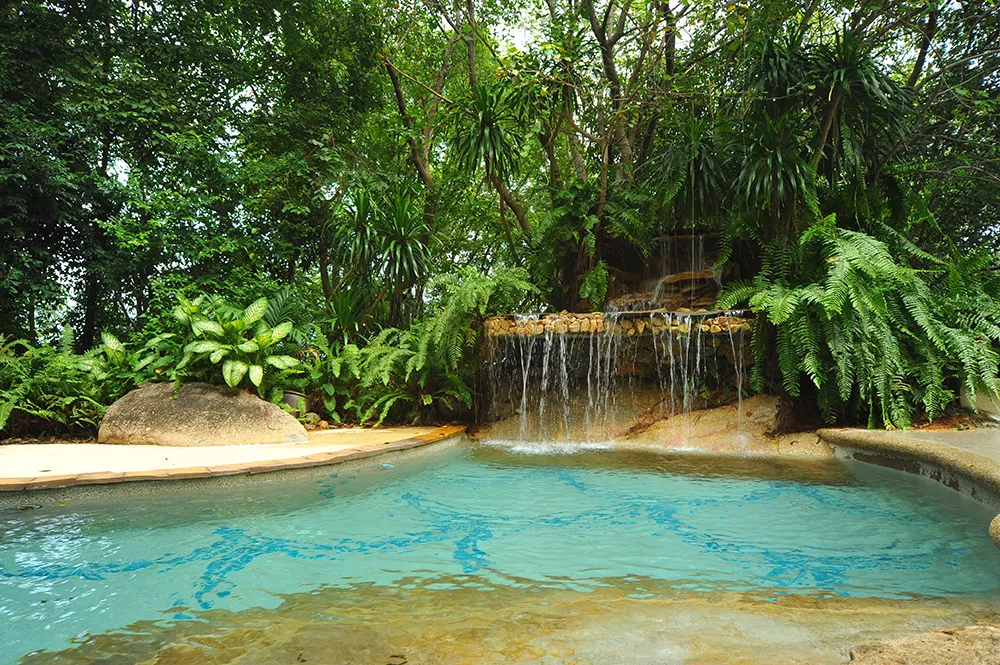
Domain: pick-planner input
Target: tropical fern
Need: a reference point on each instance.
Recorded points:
(872, 334)
(412, 372)
(52, 389)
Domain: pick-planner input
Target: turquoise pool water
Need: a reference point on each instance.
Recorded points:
(469, 517)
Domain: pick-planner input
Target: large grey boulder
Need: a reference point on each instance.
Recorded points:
(200, 415)
(973, 645)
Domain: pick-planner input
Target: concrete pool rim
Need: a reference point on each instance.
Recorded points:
(313, 459)
(966, 472)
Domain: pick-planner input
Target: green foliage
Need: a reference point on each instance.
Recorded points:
(234, 344)
(595, 285)
(486, 131)
(874, 336)
(341, 157)
(425, 372)
(403, 238)
(383, 250)
(333, 378)
(347, 315)
(51, 389)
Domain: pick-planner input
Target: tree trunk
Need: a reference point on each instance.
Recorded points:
(616, 124)
(421, 165)
(324, 273)
(471, 43)
(511, 202)
(92, 288)
(824, 130)
(602, 197)
(928, 34)
(547, 140)
(32, 333)
(577, 152)
(506, 232)
(669, 46)
(91, 294)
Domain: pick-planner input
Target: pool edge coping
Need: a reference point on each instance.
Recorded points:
(313, 459)
(980, 470)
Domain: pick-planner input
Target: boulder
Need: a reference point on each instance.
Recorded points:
(200, 415)
(995, 530)
(715, 430)
(972, 645)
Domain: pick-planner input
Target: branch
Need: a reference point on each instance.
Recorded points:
(929, 32)
(581, 131)
(689, 65)
(422, 170)
(389, 65)
(952, 65)
(620, 28)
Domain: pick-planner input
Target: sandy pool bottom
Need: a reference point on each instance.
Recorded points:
(629, 621)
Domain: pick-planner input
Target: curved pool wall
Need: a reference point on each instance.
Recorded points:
(973, 475)
(628, 530)
(308, 456)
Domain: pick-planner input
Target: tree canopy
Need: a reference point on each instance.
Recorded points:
(348, 154)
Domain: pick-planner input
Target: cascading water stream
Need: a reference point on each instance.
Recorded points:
(525, 358)
(658, 352)
(629, 367)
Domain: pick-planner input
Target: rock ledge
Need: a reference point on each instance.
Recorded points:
(200, 415)
(971, 645)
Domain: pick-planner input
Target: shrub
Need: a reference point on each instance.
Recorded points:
(425, 372)
(873, 335)
(234, 342)
(51, 389)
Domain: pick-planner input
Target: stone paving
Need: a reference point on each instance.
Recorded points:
(967, 461)
(47, 466)
(983, 441)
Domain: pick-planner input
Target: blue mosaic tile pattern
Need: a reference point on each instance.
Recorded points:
(88, 567)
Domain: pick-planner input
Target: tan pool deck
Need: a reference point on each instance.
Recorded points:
(984, 441)
(54, 465)
(975, 452)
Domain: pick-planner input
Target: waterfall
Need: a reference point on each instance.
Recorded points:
(590, 378)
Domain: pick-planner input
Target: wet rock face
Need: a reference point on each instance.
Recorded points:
(972, 645)
(200, 415)
(995, 530)
(658, 322)
(714, 430)
(690, 289)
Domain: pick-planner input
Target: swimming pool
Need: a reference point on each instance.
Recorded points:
(424, 554)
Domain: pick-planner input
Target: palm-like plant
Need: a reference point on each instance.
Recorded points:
(383, 247)
(485, 131)
(686, 177)
(779, 75)
(852, 92)
(486, 136)
(774, 177)
(402, 238)
(348, 315)
(355, 232)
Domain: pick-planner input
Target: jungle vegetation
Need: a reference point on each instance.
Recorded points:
(326, 195)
